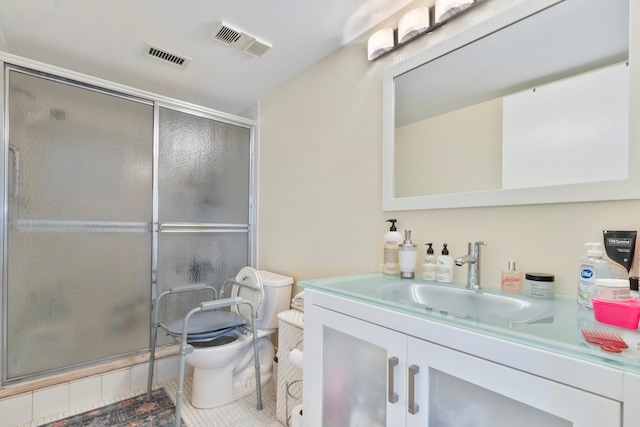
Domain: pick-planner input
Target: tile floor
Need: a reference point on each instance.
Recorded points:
(242, 413)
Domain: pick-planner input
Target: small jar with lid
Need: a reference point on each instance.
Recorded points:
(539, 285)
(613, 289)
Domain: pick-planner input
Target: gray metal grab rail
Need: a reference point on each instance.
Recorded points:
(248, 286)
(186, 348)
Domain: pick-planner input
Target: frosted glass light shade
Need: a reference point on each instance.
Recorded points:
(380, 42)
(413, 23)
(446, 9)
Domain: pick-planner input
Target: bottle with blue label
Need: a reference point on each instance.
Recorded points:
(595, 267)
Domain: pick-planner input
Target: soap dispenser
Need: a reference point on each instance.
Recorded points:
(407, 257)
(593, 267)
(392, 240)
(445, 266)
(430, 268)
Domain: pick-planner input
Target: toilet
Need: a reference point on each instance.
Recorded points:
(224, 368)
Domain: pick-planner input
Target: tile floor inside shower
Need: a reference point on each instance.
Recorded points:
(241, 413)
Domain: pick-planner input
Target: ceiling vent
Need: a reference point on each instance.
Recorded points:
(240, 40)
(256, 48)
(166, 56)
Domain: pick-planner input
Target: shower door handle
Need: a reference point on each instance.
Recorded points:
(391, 393)
(16, 170)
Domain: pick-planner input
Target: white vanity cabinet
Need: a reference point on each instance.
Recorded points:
(360, 373)
(354, 372)
(456, 389)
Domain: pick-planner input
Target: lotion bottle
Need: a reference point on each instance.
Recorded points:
(445, 266)
(392, 240)
(430, 267)
(511, 279)
(407, 257)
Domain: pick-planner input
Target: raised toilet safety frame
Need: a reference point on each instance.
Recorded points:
(186, 348)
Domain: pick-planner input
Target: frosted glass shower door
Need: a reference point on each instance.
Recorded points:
(204, 192)
(78, 229)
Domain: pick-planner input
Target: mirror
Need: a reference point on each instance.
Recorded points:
(530, 105)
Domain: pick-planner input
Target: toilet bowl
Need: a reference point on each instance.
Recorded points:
(224, 368)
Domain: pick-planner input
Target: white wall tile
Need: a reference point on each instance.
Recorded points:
(84, 393)
(116, 384)
(51, 401)
(16, 410)
(169, 368)
(139, 376)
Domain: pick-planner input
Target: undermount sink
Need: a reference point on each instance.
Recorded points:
(479, 305)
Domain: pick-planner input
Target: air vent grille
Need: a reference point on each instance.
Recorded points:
(240, 40)
(257, 48)
(227, 35)
(166, 56)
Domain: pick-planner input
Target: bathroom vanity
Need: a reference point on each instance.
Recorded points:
(380, 350)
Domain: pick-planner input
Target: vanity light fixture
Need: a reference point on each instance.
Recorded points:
(447, 9)
(413, 23)
(381, 42)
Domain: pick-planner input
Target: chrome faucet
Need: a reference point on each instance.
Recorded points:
(473, 259)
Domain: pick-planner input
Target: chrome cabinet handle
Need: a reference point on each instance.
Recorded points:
(392, 395)
(413, 406)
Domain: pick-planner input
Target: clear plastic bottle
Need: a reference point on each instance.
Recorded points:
(430, 267)
(595, 266)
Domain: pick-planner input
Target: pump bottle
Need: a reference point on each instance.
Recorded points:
(392, 240)
(593, 267)
(407, 257)
(445, 266)
(430, 268)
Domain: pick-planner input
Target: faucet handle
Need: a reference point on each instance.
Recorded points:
(474, 247)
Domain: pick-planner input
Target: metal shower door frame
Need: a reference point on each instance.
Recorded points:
(9, 60)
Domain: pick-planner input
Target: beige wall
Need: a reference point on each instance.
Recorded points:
(419, 172)
(319, 205)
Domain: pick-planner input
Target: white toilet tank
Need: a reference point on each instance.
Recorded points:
(277, 290)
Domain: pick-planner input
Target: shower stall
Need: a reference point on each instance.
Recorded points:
(110, 197)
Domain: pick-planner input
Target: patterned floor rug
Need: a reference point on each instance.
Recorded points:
(127, 413)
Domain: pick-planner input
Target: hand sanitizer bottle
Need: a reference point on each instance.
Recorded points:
(596, 267)
(430, 268)
(445, 266)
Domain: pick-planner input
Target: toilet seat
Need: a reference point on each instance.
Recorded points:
(206, 322)
(255, 296)
(209, 325)
(222, 340)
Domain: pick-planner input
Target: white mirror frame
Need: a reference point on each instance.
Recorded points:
(609, 190)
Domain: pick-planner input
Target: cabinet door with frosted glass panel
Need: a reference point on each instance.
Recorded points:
(359, 376)
(454, 389)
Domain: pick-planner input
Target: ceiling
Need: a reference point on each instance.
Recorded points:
(106, 39)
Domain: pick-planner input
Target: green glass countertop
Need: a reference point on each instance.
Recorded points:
(554, 326)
